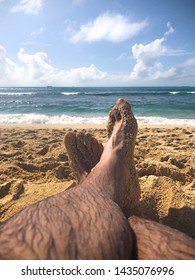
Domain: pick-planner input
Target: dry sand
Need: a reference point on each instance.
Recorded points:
(34, 165)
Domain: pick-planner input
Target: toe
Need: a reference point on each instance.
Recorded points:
(123, 107)
(70, 140)
(114, 117)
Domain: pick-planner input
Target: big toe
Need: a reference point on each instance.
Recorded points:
(123, 107)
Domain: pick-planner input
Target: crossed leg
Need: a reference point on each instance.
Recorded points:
(152, 240)
(85, 152)
(84, 222)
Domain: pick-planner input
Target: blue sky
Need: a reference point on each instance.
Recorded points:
(97, 42)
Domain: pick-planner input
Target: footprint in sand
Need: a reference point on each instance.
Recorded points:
(43, 151)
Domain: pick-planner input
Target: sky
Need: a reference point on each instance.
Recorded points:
(97, 43)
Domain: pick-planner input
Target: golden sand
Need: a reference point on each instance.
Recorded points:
(34, 165)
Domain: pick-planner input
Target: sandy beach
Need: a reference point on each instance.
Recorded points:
(35, 165)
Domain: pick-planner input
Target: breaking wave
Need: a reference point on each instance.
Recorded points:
(65, 119)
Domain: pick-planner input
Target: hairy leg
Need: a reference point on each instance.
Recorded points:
(118, 179)
(84, 153)
(84, 222)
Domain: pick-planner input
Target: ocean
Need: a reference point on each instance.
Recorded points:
(84, 105)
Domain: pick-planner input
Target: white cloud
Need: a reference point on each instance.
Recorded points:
(109, 27)
(37, 66)
(37, 70)
(148, 59)
(85, 74)
(5, 63)
(28, 6)
(170, 29)
(9, 71)
(149, 67)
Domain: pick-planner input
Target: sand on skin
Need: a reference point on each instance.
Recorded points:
(35, 165)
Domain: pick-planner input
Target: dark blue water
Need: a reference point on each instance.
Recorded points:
(154, 105)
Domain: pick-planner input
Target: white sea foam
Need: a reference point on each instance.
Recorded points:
(45, 119)
(174, 92)
(17, 93)
(64, 119)
(165, 121)
(192, 92)
(70, 93)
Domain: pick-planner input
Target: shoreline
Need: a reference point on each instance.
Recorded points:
(85, 126)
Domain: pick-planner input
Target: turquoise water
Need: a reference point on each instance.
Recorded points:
(152, 105)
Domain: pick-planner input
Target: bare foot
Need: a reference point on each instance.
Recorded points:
(84, 153)
(122, 130)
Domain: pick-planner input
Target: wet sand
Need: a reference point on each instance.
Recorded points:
(35, 165)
